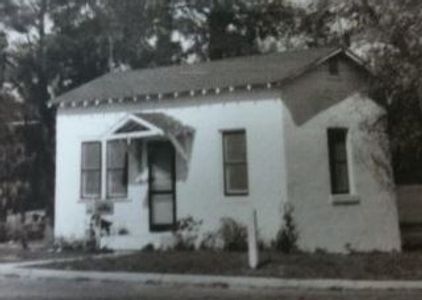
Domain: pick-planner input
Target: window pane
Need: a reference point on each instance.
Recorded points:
(116, 154)
(91, 183)
(235, 146)
(236, 178)
(338, 160)
(342, 179)
(340, 151)
(116, 182)
(91, 155)
(162, 209)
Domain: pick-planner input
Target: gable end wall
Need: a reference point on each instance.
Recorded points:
(313, 103)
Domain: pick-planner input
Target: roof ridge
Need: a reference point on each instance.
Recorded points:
(228, 59)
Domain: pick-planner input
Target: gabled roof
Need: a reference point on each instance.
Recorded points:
(247, 71)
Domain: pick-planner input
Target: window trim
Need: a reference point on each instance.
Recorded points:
(228, 193)
(82, 170)
(332, 162)
(109, 196)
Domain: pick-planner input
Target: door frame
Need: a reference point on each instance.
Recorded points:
(151, 192)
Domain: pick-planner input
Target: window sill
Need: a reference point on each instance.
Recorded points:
(116, 199)
(236, 194)
(88, 200)
(345, 199)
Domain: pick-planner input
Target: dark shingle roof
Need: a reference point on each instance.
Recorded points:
(258, 69)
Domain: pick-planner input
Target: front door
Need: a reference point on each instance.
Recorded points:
(162, 187)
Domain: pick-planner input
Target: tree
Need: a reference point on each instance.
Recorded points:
(389, 34)
(29, 73)
(223, 28)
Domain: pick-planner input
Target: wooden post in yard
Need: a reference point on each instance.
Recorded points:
(253, 241)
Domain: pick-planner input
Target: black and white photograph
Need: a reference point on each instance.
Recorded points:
(211, 149)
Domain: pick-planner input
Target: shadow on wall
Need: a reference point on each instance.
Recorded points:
(182, 165)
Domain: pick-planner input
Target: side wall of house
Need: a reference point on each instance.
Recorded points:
(365, 220)
(200, 190)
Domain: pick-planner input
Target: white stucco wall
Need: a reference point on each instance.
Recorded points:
(200, 190)
(369, 224)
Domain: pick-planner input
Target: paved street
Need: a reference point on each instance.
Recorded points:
(16, 288)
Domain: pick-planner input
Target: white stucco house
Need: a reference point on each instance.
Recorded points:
(223, 138)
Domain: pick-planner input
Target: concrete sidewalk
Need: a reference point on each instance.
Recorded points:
(26, 270)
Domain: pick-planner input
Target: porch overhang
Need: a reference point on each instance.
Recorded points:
(153, 125)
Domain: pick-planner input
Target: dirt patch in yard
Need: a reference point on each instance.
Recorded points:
(407, 266)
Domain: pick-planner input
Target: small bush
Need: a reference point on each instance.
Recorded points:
(62, 244)
(186, 233)
(211, 241)
(233, 235)
(148, 248)
(4, 234)
(286, 239)
(123, 231)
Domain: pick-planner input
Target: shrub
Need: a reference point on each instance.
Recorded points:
(62, 244)
(4, 234)
(211, 240)
(286, 239)
(186, 233)
(148, 248)
(123, 231)
(233, 235)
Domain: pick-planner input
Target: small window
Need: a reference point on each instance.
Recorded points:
(337, 148)
(333, 66)
(91, 170)
(235, 163)
(117, 169)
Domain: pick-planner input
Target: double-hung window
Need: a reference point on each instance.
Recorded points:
(337, 148)
(117, 169)
(235, 163)
(91, 170)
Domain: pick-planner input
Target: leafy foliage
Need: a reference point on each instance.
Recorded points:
(233, 234)
(387, 33)
(186, 233)
(286, 240)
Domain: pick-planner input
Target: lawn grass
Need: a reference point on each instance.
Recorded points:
(405, 266)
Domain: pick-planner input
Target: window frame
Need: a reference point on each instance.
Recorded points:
(226, 163)
(333, 138)
(83, 169)
(125, 170)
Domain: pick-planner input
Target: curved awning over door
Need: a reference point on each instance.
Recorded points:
(149, 125)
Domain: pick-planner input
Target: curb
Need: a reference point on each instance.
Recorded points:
(209, 281)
